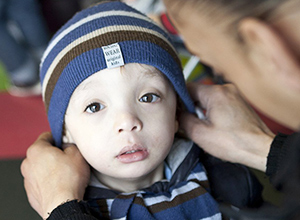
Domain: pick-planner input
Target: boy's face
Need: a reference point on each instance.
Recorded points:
(123, 121)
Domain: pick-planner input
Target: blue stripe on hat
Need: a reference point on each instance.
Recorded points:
(89, 27)
(101, 7)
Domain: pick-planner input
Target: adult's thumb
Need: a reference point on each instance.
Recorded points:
(68, 148)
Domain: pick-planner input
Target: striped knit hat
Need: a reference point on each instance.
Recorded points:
(104, 36)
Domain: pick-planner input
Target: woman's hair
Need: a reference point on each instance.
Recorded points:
(231, 11)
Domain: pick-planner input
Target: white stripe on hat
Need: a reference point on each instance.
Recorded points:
(91, 35)
(88, 19)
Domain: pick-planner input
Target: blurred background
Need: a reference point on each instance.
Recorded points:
(25, 29)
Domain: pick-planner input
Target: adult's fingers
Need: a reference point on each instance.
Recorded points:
(43, 141)
(69, 147)
(193, 126)
(73, 151)
(45, 137)
(200, 93)
(31, 199)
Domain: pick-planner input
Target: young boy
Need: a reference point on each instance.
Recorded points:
(112, 84)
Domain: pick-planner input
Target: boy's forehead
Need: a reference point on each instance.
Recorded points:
(141, 70)
(145, 71)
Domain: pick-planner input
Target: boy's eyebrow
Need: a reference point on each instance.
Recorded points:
(151, 71)
(151, 74)
(145, 70)
(81, 95)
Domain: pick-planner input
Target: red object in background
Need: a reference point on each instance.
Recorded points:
(274, 126)
(22, 120)
(167, 24)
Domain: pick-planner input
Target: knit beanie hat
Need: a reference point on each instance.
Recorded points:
(106, 35)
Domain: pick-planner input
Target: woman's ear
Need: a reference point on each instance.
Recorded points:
(269, 51)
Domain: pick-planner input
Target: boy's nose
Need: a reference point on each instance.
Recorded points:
(127, 121)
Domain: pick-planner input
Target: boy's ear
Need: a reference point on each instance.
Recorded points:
(269, 51)
(67, 138)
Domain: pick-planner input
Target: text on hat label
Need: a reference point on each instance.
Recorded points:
(113, 55)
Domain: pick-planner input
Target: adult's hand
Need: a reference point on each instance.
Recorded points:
(53, 176)
(232, 131)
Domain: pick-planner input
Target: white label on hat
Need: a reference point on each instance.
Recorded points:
(113, 55)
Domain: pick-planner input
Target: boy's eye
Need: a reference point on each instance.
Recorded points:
(149, 97)
(94, 107)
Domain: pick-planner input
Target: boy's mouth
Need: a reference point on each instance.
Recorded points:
(132, 154)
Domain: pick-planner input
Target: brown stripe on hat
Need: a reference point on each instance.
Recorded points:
(98, 42)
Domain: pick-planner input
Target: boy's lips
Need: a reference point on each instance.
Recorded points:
(131, 154)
